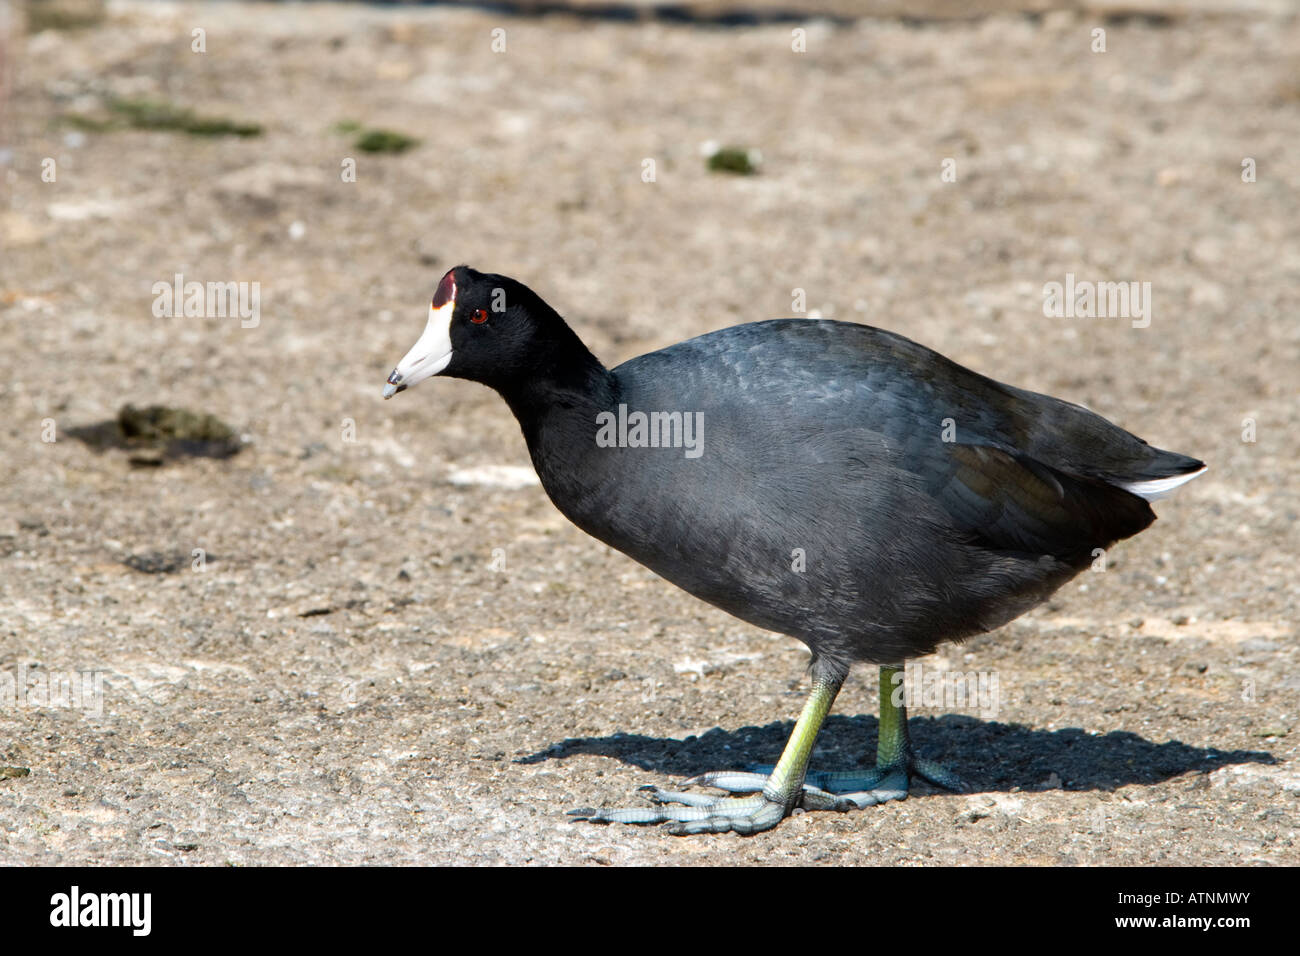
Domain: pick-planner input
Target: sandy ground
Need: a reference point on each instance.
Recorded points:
(353, 675)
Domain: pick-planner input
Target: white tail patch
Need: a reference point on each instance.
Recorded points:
(1158, 488)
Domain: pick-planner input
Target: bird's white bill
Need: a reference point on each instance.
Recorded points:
(429, 356)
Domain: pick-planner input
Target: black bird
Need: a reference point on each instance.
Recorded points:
(831, 481)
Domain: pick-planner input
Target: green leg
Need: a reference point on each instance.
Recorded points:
(893, 746)
(775, 791)
(773, 795)
(786, 780)
(896, 762)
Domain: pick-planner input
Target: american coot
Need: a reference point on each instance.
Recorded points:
(831, 481)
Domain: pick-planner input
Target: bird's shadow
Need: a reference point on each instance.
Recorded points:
(987, 755)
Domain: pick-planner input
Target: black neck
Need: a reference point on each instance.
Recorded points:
(566, 381)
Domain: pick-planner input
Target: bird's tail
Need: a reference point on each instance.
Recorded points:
(1165, 471)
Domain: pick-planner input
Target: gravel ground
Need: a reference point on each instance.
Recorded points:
(394, 648)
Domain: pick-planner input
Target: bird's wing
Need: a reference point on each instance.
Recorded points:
(1011, 502)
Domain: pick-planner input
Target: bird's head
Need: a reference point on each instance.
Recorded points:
(483, 327)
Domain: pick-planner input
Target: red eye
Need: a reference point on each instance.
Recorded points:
(479, 317)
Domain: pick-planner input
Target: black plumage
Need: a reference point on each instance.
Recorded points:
(851, 488)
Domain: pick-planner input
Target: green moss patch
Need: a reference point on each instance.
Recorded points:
(384, 141)
(140, 113)
(156, 433)
(734, 159)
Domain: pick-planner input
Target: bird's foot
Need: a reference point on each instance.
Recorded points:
(688, 813)
(880, 784)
